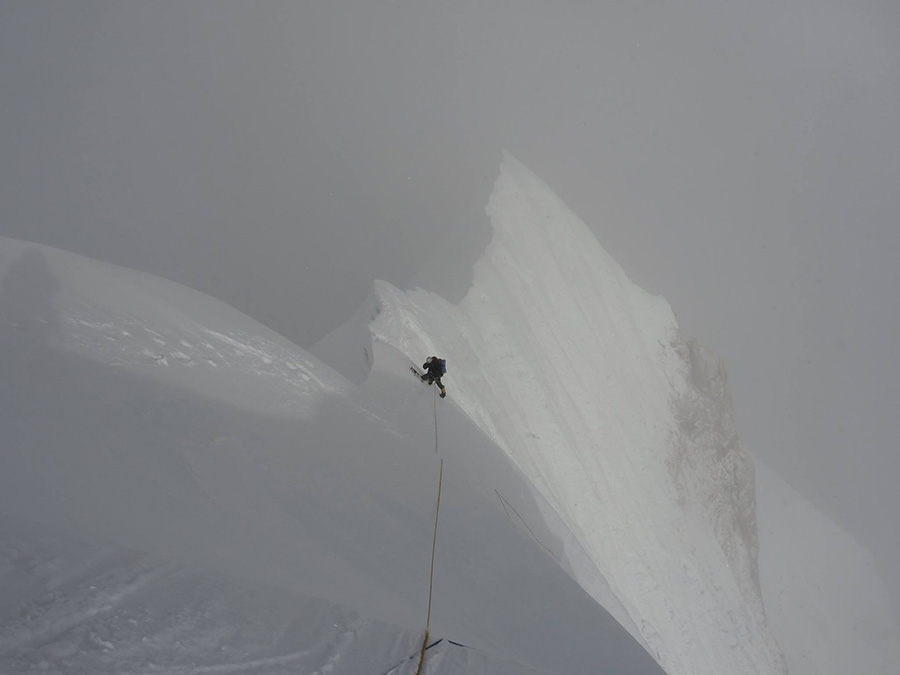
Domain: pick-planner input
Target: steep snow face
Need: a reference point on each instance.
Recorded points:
(177, 483)
(624, 428)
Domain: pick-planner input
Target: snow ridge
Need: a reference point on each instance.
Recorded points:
(622, 426)
(218, 500)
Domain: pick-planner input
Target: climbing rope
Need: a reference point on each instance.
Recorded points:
(505, 503)
(431, 576)
(435, 421)
(437, 513)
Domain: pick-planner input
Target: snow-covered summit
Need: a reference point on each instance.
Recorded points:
(623, 426)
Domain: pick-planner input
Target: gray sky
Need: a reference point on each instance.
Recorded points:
(742, 159)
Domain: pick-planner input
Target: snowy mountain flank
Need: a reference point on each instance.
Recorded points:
(184, 491)
(625, 428)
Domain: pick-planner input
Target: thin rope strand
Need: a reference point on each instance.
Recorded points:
(437, 514)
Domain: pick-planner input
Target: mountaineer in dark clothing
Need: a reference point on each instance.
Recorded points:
(434, 369)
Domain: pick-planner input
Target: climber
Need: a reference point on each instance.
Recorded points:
(434, 369)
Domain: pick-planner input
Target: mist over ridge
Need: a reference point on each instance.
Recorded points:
(740, 161)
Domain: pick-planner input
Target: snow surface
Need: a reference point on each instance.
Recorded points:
(184, 491)
(823, 592)
(627, 430)
(584, 381)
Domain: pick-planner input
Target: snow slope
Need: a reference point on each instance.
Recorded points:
(184, 491)
(823, 592)
(584, 381)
